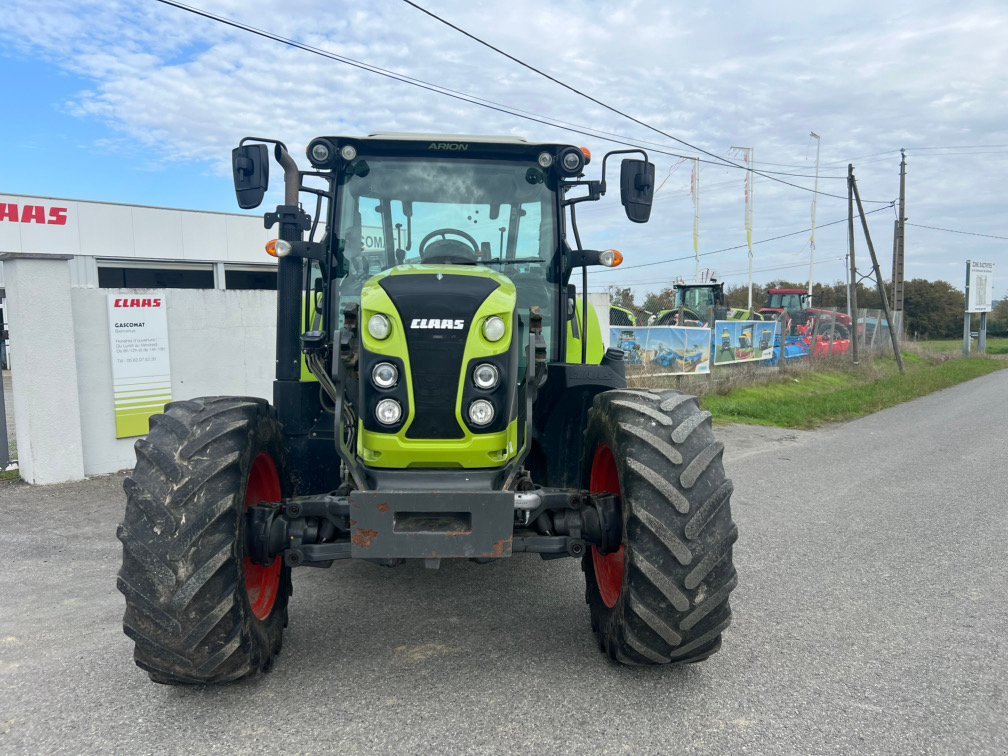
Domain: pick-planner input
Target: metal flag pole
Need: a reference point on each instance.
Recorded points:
(811, 261)
(747, 153)
(695, 191)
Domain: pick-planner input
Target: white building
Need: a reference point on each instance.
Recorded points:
(133, 246)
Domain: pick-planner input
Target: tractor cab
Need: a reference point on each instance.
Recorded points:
(696, 300)
(796, 302)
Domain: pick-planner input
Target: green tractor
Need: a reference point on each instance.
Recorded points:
(697, 302)
(446, 398)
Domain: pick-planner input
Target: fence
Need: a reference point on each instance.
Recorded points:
(697, 334)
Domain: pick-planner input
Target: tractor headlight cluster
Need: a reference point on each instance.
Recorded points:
(321, 153)
(388, 411)
(486, 376)
(379, 326)
(494, 328)
(384, 375)
(481, 412)
(572, 161)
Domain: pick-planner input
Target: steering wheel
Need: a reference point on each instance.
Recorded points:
(453, 251)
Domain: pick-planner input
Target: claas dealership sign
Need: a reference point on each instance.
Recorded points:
(49, 216)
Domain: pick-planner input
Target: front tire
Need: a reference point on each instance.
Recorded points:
(662, 597)
(197, 608)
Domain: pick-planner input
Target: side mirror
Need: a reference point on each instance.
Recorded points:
(637, 188)
(250, 165)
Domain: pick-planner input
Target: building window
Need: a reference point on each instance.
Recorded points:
(113, 277)
(265, 278)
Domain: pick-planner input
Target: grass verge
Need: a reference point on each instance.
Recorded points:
(995, 345)
(809, 399)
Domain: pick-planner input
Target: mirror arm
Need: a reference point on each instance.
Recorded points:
(595, 192)
(619, 152)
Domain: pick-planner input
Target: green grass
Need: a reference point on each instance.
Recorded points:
(9, 475)
(809, 399)
(995, 345)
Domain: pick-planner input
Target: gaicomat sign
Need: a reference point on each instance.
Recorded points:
(48, 215)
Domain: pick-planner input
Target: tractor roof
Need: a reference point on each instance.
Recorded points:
(704, 285)
(787, 291)
(483, 139)
(505, 147)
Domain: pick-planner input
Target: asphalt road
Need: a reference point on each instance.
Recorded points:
(871, 616)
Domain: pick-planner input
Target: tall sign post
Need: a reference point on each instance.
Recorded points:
(979, 296)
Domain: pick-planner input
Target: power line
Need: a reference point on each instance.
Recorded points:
(466, 97)
(615, 110)
(732, 249)
(956, 231)
(731, 274)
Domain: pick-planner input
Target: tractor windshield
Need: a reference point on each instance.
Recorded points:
(790, 302)
(697, 298)
(396, 210)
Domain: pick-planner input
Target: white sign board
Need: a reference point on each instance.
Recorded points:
(981, 286)
(141, 370)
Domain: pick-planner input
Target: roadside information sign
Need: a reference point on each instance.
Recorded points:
(980, 286)
(141, 370)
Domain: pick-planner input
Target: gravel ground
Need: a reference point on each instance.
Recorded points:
(871, 616)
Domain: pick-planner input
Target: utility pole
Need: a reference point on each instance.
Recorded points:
(898, 244)
(815, 196)
(695, 191)
(878, 274)
(852, 272)
(747, 156)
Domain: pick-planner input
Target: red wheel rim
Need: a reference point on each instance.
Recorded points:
(262, 583)
(609, 568)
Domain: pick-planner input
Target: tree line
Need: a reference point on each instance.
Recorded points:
(931, 309)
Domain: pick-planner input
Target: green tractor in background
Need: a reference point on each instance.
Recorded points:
(697, 302)
(441, 393)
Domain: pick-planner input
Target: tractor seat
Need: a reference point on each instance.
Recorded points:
(449, 252)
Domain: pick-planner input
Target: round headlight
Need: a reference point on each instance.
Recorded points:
(378, 326)
(481, 412)
(388, 411)
(545, 160)
(384, 375)
(485, 376)
(348, 152)
(572, 160)
(494, 328)
(320, 152)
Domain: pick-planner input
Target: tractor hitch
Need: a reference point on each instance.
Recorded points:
(388, 525)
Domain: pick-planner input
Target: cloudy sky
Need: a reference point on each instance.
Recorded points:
(140, 102)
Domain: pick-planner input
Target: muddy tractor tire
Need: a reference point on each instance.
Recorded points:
(662, 597)
(197, 608)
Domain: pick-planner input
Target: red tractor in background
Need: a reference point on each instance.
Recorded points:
(824, 332)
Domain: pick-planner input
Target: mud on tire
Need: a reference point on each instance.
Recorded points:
(189, 611)
(666, 600)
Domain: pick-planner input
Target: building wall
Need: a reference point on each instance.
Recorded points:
(219, 342)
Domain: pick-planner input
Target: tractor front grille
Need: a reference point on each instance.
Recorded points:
(435, 353)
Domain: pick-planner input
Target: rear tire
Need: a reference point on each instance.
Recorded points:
(197, 609)
(663, 596)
